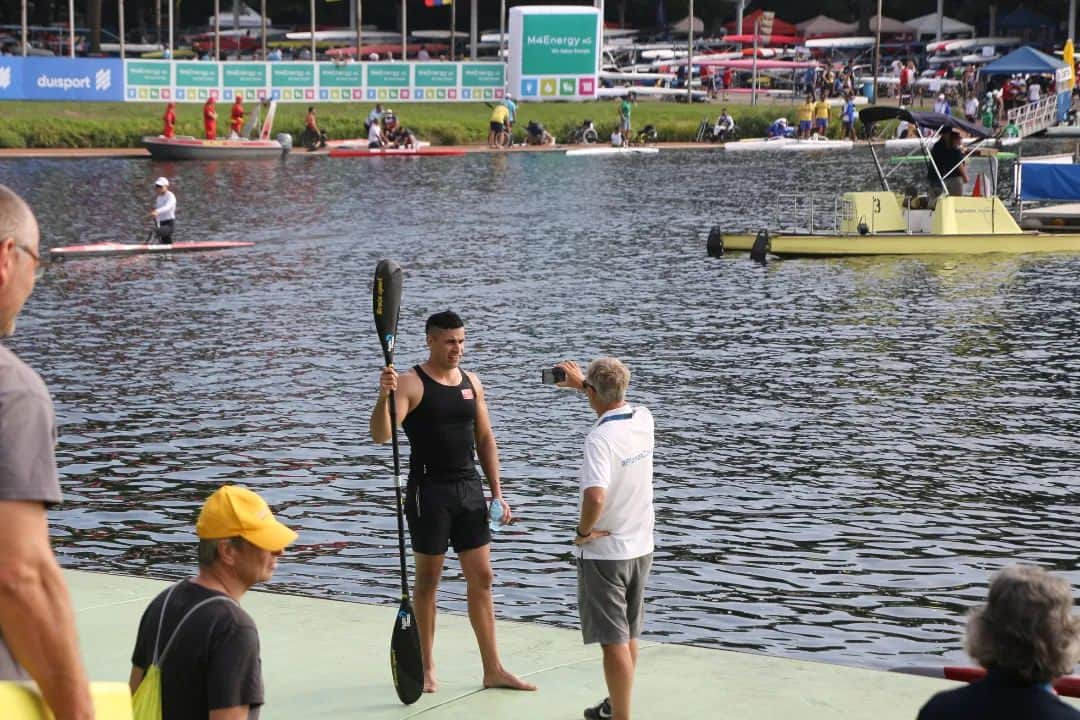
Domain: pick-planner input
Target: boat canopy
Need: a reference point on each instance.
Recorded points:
(931, 120)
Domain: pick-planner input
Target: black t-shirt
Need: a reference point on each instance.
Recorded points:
(996, 697)
(945, 157)
(213, 662)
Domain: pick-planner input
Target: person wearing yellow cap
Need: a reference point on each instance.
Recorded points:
(203, 644)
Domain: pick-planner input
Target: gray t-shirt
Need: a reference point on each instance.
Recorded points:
(27, 462)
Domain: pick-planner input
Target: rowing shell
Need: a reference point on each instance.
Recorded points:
(112, 248)
(346, 152)
(612, 151)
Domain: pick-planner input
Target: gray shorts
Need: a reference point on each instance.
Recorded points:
(611, 599)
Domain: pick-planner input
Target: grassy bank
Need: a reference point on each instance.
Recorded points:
(113, 125)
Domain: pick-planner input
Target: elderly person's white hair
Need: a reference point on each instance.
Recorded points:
(1027, 628)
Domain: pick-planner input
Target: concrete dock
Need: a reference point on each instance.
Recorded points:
(330, 659)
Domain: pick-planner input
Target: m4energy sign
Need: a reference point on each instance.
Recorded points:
(554, 52)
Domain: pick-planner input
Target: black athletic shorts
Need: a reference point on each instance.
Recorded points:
(445, 513)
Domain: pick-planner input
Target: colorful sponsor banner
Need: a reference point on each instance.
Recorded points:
(53, 78)
(339, 83)
(182, 81)
(554, 52)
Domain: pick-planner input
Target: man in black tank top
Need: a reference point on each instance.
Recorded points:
(444, 414)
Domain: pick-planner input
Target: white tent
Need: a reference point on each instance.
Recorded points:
(928, 25)
(824, 25)
(890, 26)
(683, 26)
(248, 18)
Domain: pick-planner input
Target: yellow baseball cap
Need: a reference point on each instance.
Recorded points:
(235, 511)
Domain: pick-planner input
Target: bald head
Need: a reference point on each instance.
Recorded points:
(17, 219)
(19, 254)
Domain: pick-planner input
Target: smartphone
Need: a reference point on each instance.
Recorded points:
(550, 376)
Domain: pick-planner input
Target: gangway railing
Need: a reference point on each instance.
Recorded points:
(1034, 117)
(809, 213)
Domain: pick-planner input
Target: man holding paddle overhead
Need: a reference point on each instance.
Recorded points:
(443, 411)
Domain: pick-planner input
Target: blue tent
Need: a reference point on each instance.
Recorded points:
(1023, 61)
(1029, 61)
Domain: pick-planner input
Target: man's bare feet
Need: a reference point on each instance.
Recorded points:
(504, 679)
(430, 683)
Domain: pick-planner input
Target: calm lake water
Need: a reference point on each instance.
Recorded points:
(846, 449)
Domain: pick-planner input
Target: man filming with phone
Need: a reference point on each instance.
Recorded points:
(444, 413)
(614, 533)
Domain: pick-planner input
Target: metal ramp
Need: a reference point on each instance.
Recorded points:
(1034, 117)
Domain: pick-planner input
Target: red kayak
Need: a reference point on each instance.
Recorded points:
(1069, 686)
(349, 152)
(112, 248)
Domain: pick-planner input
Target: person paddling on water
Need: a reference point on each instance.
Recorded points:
(164, 212)
(444, 412)
(169, 130)
(209, 113)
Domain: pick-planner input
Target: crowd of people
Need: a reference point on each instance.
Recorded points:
(196, 651)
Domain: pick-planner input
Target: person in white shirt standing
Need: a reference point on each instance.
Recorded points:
(164, 212)
(615, 526)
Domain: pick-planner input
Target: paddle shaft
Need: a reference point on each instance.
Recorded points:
(397, 482)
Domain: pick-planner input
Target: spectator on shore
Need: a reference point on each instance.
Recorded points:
(805, 115)
(1026, 636)
(38, 639)
(1034, 90)
(971, 109)
(848, 117)
(197, 651)
(821, 116)
(941, 105)
(423, 55)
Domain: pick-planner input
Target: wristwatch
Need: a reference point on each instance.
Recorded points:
(580, 534)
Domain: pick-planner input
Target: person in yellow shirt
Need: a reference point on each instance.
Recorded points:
(805, 114)
(500, 116)
(821, 116)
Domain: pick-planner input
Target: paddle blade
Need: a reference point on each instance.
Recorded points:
(386, 303)
(405, 662)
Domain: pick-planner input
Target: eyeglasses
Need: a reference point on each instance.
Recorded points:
(39, 264)
(585, 385)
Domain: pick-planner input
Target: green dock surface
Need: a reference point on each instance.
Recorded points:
(330, 659)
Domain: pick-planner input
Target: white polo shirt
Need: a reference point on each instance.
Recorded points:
(619, 458)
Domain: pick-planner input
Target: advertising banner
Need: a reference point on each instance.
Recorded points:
(244, 80)
(148, 80)
(11, 76)
(341, 82)
(554, 52)
(53, 78)
(187, 81)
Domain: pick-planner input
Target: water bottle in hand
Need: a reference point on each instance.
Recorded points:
(495, 515)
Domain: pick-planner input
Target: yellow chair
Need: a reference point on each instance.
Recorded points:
(21, 701)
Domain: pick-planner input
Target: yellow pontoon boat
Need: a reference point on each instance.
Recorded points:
(885, 222)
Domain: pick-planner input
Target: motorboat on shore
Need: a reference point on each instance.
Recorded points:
(186, 147)
(885, 222)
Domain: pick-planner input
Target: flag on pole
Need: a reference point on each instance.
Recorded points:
(436, 3)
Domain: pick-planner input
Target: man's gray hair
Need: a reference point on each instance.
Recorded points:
(1027, 628)
(208, 549)
(609, 377)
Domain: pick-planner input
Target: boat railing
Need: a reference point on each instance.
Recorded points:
(807, 212)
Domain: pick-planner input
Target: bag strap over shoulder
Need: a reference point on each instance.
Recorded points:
(160, 658)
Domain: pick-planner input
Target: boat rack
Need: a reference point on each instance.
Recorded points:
(808, 213)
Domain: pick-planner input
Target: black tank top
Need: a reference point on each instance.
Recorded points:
(441, 431)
